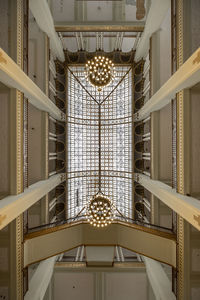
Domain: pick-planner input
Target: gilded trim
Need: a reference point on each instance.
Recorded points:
(50, 230)
(2, 59)
(19, 155)
(99, 28)
(197, 59)
(180, 154)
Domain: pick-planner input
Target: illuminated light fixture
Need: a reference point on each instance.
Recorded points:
(100, 211)
(100, 71)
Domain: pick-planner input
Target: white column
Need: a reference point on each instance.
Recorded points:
(187, 207)
(13, 76)
(186, 76)
(42, 14)
(12, 206)
(40, 280)
(156, 14)
(158, 279)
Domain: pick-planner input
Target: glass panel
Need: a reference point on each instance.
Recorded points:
(115, 131)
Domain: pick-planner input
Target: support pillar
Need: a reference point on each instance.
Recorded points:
(157, 12)
(42, 14)
(12, 206)
(158, 279)
(41, 279)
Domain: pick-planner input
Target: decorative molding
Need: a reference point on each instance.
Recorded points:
(180, 142)
(2, 218)
(19, 154)
(180, 154)
(100, 27)
(81, 57)
(197, 59)
(197, 218)
(2, 59)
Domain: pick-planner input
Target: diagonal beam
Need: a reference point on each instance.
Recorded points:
(82, 85)
(12, 206)
(40, 280)
(155, 17)
(116, 86)
(186, 76)
(42, 14)
(12, 76)
(186, 206)
(91, 94)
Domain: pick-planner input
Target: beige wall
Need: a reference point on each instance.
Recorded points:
(4, 141)
(34, 144)
(195, 141)
(100, 285)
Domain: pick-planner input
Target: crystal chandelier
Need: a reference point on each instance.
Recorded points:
(100, 71)
(100, 211)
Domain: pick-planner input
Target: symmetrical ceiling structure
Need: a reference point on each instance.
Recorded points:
(78, 152)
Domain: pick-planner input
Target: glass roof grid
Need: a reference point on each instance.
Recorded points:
(116, 133)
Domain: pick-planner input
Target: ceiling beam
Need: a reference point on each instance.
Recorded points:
(117, 267)
(14, 205)
(185, 206)
(185, 77)
(13, 76)
(94, 36)
(110, 26)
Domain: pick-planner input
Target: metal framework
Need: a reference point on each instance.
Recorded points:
(99, 140)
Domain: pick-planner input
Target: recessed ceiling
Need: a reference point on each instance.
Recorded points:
(93, 10)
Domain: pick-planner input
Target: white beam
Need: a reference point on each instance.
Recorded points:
(42, 14)
(158, 279)
(157, 12)
(40, 280)
(12, 206)
(185, 77)
(186, 206)
(12, 76)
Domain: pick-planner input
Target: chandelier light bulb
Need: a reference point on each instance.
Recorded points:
(100, 211)
(100, 71)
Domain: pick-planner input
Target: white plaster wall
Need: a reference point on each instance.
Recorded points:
(34, 145)
(36, 62)
(127, 286)
(165, 49)
(73, 286)
(113, 286)
(165, 145)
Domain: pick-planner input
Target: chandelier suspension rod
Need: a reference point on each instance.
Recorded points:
(100, 148)
(82, 85)
(115, 86)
